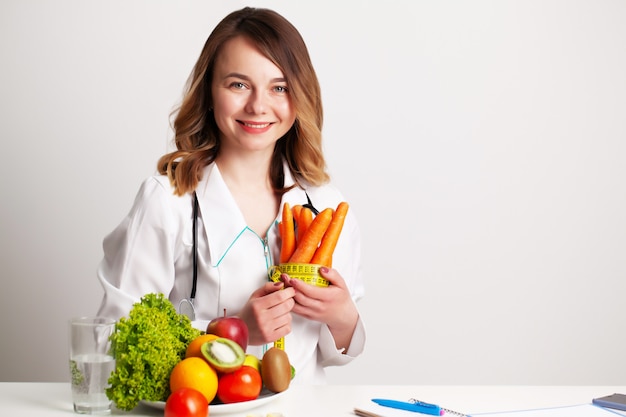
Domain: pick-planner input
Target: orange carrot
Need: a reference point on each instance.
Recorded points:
(311, 239)
(324, 253)
(288, 234)
(296, 212)
(304, 222)
(296, 219)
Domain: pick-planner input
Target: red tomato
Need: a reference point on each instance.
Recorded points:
(186, 402)
(242, 385)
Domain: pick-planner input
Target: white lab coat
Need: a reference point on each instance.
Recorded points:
(151, 252)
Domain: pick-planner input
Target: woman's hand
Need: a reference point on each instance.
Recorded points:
(268, 313)
(332, 305)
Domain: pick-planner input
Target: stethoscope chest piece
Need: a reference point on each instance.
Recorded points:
(186, 308)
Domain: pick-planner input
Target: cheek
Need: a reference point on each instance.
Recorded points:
(218, 115)
(287, 113)
(223, 110)
(224, 105)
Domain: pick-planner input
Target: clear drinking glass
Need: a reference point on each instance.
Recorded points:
(91, 363)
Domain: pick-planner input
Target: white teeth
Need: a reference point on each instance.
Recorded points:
(257, 126)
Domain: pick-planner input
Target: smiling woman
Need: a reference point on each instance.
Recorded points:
(248, 142)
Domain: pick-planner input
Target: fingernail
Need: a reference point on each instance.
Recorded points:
(324, 270)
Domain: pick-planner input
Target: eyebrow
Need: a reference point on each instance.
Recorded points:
(245, 77)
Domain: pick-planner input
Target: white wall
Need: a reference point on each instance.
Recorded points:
(481, 144)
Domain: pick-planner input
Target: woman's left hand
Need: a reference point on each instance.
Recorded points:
(332, 305)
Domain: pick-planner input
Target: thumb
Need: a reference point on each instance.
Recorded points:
(332, 276)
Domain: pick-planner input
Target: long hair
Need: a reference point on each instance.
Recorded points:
(196, 135)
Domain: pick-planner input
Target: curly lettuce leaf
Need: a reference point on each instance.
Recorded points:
(146, 346)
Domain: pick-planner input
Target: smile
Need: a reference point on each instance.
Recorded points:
(255, 125)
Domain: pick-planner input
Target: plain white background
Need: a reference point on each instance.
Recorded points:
(480, 143)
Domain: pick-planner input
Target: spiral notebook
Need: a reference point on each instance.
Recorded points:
(582, 410)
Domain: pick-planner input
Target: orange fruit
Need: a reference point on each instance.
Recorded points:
(194, 373)
(193, 349)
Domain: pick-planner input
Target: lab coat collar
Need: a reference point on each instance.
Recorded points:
(222, 219)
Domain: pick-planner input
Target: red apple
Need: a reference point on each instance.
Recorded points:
(230, 327)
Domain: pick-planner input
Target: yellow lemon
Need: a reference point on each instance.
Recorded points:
(252, 361)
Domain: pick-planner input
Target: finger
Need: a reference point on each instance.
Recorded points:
(308, 308)
(270, 295)
(333, 277)
(268, 288)
(277, 298)
(281, 328)
(281, 309)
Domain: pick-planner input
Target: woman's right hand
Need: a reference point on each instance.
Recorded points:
(268, 313)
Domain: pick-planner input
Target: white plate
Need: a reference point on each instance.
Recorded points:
(222, 409)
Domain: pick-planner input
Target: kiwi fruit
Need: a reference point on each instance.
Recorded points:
(276, 370)
(224, 355)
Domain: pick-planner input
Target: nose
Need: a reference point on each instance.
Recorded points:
(257, 103)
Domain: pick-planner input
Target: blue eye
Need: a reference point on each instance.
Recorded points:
(281, 89)
(238, 85)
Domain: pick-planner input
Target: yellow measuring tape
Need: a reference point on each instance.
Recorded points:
(308, 273)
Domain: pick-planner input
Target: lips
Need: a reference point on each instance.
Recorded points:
(255, 127)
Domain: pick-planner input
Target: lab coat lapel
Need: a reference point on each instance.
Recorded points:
(223, 221)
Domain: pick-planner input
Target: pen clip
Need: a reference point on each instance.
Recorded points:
(443, 410)
(422, 404)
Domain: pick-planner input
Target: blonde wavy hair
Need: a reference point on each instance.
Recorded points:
(196, 135)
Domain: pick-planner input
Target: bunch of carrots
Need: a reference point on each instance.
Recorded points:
(307, 239)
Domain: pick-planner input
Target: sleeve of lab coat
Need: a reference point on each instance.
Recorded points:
(347, 261)
(139, 252)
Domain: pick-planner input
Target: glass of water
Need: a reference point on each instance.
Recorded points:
(91, 363)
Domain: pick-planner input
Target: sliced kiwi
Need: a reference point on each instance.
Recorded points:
(224, 355)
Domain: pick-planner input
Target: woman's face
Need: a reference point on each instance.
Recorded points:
(251, 102)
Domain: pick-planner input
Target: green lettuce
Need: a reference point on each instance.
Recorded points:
(147, 345)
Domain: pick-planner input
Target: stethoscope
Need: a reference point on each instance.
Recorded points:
(186, 305)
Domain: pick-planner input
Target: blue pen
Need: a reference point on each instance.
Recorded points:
(416, 407)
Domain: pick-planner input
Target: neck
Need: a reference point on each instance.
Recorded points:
(245, 173)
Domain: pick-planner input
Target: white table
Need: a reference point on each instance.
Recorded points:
(26, 399)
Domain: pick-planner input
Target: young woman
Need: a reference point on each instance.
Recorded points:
(248, 139)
